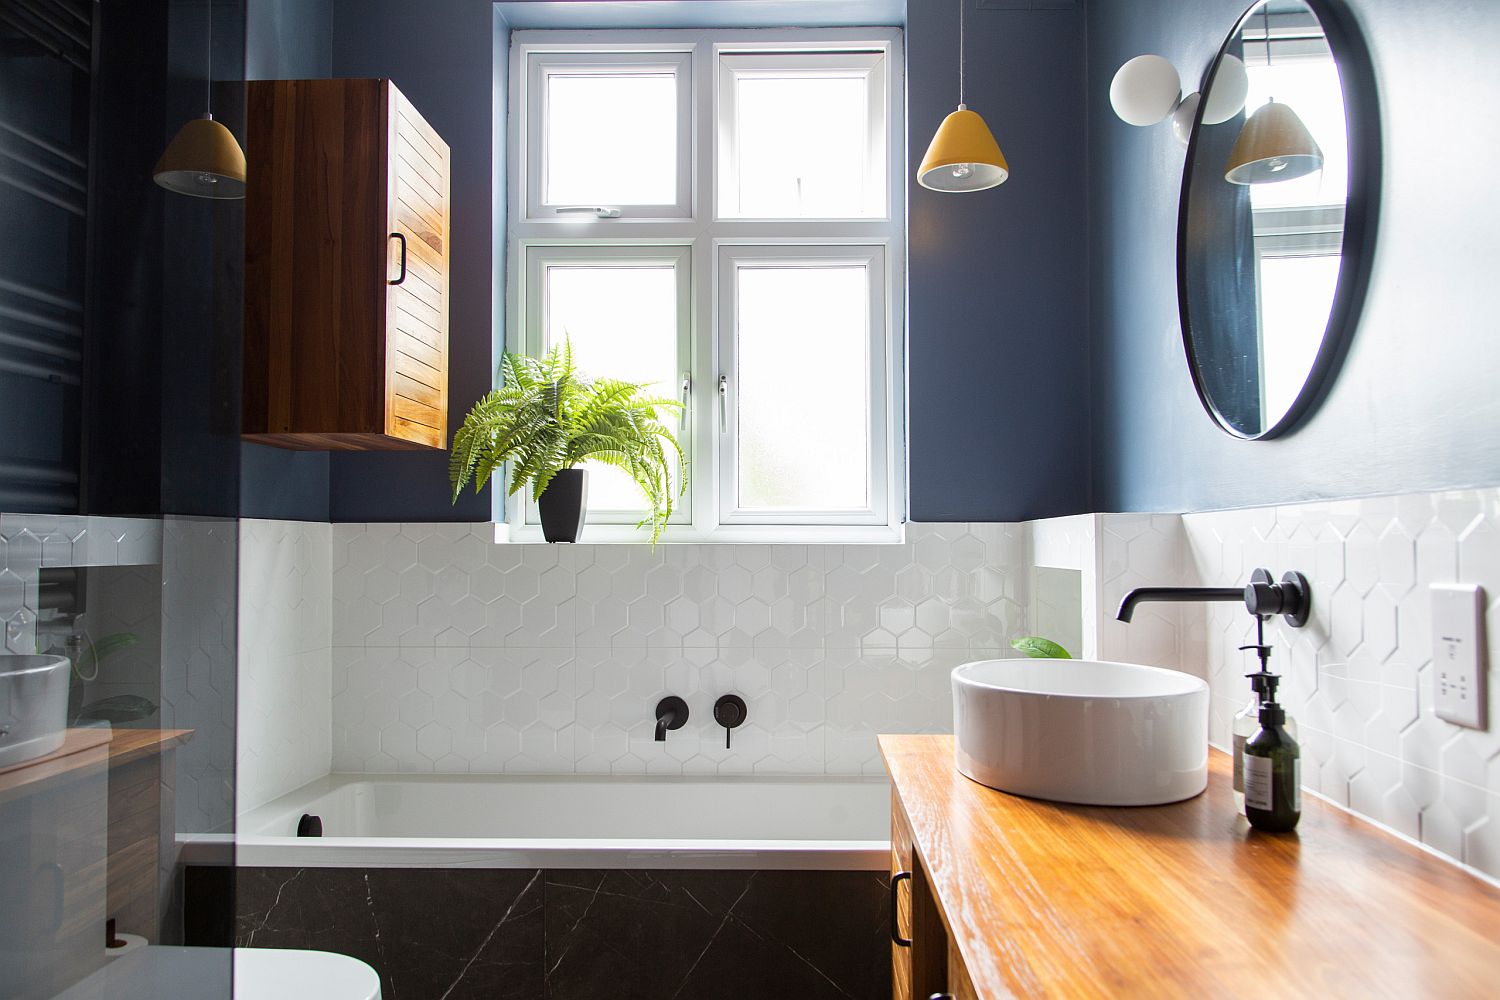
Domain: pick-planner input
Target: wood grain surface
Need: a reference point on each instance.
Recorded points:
(1046, 899)
(86, 747)
(336, 170)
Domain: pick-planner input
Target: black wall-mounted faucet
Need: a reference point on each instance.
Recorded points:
(1262, 596)
(671, 713)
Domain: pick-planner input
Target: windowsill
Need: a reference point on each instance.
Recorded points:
(767, 534)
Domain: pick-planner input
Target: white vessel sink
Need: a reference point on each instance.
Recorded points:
(33, 706)
(1084, 731)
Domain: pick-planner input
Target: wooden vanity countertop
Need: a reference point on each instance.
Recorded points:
(1185, 900)
(86, 747)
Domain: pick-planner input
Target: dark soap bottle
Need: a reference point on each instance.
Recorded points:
(1273, 773)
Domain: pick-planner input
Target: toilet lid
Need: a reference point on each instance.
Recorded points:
(156, 972)
(284, 974)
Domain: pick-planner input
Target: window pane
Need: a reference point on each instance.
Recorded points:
(802, 148)
(611, 139)
(803, 387)
(1296, 296)
(622, 321)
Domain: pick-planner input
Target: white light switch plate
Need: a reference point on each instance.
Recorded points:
(1458, 661)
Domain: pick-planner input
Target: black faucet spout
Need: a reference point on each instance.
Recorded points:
(1142, 595)
(671, 713)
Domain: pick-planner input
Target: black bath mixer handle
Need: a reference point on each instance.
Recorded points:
(730, 712)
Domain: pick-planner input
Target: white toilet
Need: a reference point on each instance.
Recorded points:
(284, 974)
(204, 974)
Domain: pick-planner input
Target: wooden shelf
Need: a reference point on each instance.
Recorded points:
(1045, 899)
(85, 748)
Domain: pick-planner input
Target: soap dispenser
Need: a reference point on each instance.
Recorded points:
(1273, 770)
(1246, 722)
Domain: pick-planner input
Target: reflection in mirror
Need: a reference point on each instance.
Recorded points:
(1263, 227)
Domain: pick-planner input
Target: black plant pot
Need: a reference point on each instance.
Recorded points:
(563, 505)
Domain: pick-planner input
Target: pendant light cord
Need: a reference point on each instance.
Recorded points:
(1265, 20)
(961, 4)
(208, 89)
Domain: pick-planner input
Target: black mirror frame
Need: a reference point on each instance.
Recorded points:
(1361, 214)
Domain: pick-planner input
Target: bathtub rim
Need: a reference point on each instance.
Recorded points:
(259, 851)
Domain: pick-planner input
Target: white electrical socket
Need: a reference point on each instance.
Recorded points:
(1458, 660)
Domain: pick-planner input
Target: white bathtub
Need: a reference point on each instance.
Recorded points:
(484, 821)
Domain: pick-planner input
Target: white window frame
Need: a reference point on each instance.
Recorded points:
(707, 239)
(872, 259)
(544, 63)
(539, 256)
(734, 66)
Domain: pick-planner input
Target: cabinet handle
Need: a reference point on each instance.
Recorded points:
(402, 238)
(941, 996)
(896, 881)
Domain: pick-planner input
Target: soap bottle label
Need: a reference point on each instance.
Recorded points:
(1258, 782)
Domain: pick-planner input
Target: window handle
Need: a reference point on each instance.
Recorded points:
(687, 391)
(723, 404)
(597, 211)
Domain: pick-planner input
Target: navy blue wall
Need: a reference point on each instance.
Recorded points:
(1415, 406)
(998, 305)
(288, 39)
(440, 53)
(998, 364)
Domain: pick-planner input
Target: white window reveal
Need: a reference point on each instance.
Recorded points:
(720, 214)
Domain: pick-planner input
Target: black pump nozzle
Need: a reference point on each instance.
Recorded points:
(1270, 681)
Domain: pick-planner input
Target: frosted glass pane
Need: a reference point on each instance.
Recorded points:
(623, 324)
(802, 149)
(611, 139)
(803, 388)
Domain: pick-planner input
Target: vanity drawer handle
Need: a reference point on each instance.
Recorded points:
(896, 881)
(941, 996)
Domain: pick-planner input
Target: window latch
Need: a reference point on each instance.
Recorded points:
(687, 389)
(597, 211)
(723, 404)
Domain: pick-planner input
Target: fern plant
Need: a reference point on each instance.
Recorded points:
(548, 416)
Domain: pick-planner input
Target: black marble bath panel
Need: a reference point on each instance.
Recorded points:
(451, 934)
(430, 933)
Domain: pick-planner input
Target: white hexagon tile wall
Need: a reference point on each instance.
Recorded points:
(451, 653)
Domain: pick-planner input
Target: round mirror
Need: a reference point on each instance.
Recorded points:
(1277, 214)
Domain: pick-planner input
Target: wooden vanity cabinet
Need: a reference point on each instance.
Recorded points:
(346, 269)
(920, 967)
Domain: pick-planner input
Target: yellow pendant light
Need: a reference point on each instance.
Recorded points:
(203, 159)
(963, 155)
(1274, 145)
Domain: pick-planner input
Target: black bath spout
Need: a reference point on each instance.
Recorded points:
(1142, 595)
(671, 713)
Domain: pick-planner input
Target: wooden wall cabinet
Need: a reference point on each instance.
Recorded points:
(346, 269)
